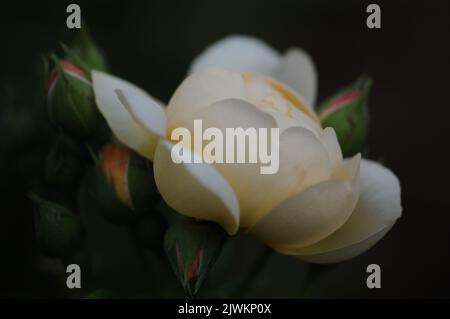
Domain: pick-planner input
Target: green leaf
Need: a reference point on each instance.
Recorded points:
(193, 248)
(347, 113)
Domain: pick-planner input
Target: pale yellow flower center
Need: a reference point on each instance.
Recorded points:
(269, 95)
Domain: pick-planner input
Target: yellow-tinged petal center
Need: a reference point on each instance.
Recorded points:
(266, 94)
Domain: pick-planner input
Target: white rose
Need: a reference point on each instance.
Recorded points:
(318, 206)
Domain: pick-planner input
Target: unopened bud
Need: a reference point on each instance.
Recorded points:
(193, 248)
(347, 113)
(71, 102)
(125, 184)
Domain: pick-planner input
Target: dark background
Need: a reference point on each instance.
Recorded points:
(152, 43)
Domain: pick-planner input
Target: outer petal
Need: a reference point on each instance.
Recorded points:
(124, 126)
(195, 190)
(312, 214)
(379, 206)
(200, 90)
(303, 161)
(239, 53)
(248, 54)
(297, 70)
(332, 146)
(146, 112)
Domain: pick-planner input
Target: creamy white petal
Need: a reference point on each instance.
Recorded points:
(314, 213)
(121, 122)
(199, 91)
(331, 143)
(144, 111)
(379, 206)
(195, 189)
(297, 71)
(239, 53)
(303, 160)
(245, 178)
(284, 104)
(298, 119)
(347, 252)
(293, 95)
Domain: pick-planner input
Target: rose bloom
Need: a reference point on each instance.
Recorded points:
(318, 206)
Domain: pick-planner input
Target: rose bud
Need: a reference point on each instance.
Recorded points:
(125, 185)
(59, 231)
(71, 104)
(63, 165)
(347, 113)
(193, 249)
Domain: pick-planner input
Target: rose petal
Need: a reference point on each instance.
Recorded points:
(379, 206)
(314, 213)
(123, 125)
(284, 104)
(199, 91)
(195, 189)
(297, 70)
(297, 119)
(239, 53)
(147, 112)
(245, 178)
(331, 143)
(303, 160)
(344, 253)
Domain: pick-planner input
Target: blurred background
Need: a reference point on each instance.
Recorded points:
(151, 43)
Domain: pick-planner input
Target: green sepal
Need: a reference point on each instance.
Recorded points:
(85, 48)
